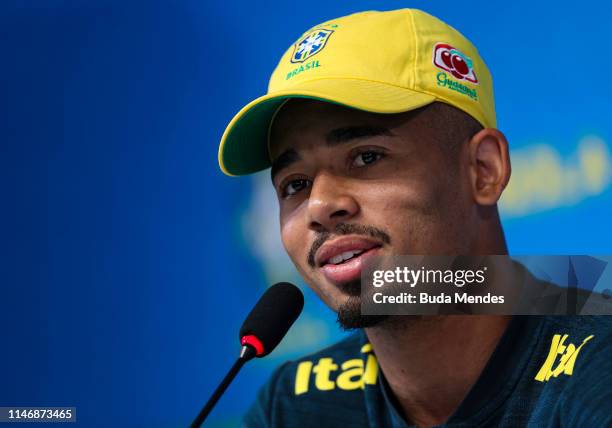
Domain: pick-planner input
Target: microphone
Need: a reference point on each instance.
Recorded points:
(261, 332)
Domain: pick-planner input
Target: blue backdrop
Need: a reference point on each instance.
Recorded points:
(128, 260)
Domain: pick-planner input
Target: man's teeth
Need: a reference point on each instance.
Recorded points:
(344, 256)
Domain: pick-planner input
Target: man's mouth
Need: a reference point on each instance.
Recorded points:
(342, 260)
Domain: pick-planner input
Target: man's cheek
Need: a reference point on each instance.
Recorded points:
(293, 241)
(397, 194)
(405, 213)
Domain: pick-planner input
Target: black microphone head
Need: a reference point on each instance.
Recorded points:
(271, 318)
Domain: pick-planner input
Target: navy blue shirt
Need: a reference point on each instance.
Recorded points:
(546, 371)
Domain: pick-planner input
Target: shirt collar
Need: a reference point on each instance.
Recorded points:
(495, 384)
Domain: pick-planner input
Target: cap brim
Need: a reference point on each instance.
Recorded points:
(244, 145)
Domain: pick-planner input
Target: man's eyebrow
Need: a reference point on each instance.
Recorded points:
(349, 133)
(285, 159)
(336, 136)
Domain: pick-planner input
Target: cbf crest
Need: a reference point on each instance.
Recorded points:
(310, 44)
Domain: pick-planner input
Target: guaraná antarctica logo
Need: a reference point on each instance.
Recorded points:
(449, 59)
(310, 44)
(459, 65)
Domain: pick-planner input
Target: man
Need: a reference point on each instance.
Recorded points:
(379, 128)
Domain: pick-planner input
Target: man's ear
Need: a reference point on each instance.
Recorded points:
(489, 165)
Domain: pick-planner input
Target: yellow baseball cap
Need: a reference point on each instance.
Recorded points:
(381, 62)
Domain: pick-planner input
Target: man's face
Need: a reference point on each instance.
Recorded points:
(353, 184)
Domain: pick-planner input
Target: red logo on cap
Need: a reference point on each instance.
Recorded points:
(447, 58)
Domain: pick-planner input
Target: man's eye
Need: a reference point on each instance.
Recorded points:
(294, 186)
(366, 158)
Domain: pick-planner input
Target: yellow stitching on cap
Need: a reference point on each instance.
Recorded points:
(416, 52)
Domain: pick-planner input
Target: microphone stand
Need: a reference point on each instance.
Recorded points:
(246, 353)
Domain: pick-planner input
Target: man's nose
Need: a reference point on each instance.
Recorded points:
(330, 202)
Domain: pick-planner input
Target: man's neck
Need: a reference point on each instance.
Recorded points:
(431, 362)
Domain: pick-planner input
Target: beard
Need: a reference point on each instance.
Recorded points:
(349, 312)
(350, 317)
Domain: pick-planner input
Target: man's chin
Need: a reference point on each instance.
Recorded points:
(350, 317)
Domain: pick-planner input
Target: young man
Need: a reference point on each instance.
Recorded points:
(379, 129)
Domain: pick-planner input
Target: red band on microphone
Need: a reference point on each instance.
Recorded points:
(254, 342)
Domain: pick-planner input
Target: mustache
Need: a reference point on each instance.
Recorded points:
(346, 229)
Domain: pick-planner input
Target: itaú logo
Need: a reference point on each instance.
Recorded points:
(452, 60)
